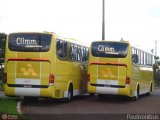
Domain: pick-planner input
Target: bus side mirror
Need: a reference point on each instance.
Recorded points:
(156, 57)
(135, 58)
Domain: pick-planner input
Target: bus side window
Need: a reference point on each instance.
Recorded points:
(135, 58)
(71, 53)
(64, 49)
(87, 54)
(61, 48)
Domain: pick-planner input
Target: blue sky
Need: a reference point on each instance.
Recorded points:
(137, 21)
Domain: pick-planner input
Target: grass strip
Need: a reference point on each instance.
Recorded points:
(8, 105)
(8, 108)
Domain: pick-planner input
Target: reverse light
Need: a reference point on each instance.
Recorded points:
(51, 79)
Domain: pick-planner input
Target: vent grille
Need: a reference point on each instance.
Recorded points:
(57, 93)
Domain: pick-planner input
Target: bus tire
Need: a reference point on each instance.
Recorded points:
(150, 90)
(134, 98)
(70, 93)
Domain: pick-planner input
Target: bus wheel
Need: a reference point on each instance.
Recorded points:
(70, 93)
(150, 90)
(137, 95)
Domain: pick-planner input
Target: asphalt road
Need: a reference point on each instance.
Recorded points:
(93, 108)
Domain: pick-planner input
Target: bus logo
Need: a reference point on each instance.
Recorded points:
(103, 48)
(107, 73)
(28, 70)
(23, 41)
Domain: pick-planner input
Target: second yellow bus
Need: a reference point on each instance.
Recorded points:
(117, 68)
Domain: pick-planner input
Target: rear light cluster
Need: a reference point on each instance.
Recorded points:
(51, 79)
(88, 78)
(5, 78)
(127, 80)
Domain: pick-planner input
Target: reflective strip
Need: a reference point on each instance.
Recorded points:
(29, 59)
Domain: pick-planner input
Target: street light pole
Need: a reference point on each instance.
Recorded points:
(156, 48)
(103, 20)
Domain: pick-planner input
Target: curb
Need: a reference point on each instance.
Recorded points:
(19, 108)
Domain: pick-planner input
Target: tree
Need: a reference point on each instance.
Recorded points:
(3, 37)
(156, 70)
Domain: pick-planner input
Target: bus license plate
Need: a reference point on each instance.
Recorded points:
(105, 85)
(28, 86)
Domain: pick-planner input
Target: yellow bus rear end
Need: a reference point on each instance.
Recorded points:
(108, 75)
(28, 65)
(40, 65)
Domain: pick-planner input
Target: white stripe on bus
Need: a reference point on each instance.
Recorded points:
(27, 92)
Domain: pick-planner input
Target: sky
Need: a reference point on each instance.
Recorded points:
(136, 21)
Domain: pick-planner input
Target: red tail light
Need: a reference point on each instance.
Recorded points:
(5, 78)
(88, 78)
(51, 79)
(127, 80)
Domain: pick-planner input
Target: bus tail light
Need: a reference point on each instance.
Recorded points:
(88, 78)
(51, 79)
(127, 80)
(5, 78)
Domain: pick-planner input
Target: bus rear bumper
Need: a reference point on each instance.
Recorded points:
(110, 90)
(50, 92)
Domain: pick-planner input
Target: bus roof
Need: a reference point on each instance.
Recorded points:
(120, 41)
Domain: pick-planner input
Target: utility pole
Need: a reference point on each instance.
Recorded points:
(103, 19)
(155, 47)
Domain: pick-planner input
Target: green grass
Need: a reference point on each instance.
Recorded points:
(8, 106)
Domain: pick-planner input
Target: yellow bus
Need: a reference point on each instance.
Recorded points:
(44, 65)
(117, 68)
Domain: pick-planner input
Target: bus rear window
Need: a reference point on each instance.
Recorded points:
(29, 42)
(109, 49)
